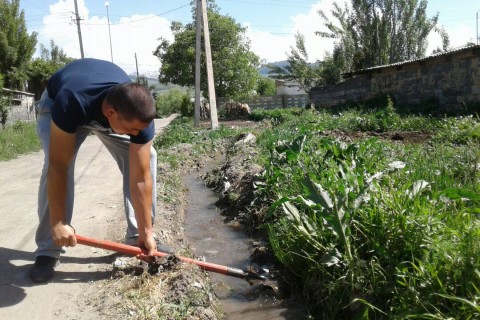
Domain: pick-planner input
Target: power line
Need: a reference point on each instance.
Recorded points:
(155, 15)
(277, 3)
(62, 14)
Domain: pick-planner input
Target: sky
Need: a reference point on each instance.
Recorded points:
(136, 26)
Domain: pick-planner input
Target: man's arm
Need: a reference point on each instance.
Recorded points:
(141, 192)
(62, 146)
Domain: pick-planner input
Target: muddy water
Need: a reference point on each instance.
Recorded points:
(210, 237)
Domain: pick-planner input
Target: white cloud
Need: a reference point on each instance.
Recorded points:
(137, 34)
(269, 46)
(275, 46)
(459, 36)
(308, 24)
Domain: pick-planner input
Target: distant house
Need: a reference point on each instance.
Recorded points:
(286, 87)
(450, 78)
(22, 105)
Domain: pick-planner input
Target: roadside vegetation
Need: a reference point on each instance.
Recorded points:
(375, 213)
(17, 139)
(377, 229)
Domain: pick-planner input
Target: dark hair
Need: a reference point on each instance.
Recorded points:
(132, 101)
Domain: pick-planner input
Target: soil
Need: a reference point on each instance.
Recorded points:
(416, 137)
(87, 285)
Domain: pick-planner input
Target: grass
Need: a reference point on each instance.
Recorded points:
(202, 141)
(17, 139)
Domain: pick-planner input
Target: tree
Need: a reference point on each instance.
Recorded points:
(41, 69)
(235, 66)
(308, 75)
(378, 32)
(143, 80)
(266, 86)
(16, 45)
(4, 105)
(332, 66)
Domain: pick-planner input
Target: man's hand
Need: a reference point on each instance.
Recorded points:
(147, 242)
(63, 235)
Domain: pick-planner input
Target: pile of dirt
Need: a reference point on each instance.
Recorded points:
(235, 179)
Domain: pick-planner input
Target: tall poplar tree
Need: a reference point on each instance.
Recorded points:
(379, 32)
(17, 46)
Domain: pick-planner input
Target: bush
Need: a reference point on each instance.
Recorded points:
(18, 138)
(4, 108)
(174, 101)
(266, 86)
(3, 105)
(186, 106)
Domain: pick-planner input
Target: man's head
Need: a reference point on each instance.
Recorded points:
(129, 108)
(132, 101)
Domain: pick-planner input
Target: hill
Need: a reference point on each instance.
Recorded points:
(264, 70)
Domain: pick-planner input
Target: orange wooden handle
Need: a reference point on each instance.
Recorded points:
(133, 251)
(115, 246)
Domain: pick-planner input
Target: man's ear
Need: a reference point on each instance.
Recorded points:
(109, 111)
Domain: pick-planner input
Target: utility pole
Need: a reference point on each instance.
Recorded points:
(476, 34)
(77, 19)
(198, 53)
(136, 64)
(208, 55)
(109, 33)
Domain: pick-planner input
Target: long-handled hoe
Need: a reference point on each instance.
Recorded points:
(133, 251)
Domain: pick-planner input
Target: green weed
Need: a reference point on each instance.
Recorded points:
(376, 229)
(18, 138)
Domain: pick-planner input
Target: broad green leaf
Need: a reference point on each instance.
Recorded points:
(317, 194)
(456, 194)
(274, 206)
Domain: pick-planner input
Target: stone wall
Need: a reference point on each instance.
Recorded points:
(450, 78)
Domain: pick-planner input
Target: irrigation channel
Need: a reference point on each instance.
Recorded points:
(209, 236)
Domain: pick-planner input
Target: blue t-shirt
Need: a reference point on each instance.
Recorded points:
(78, 90)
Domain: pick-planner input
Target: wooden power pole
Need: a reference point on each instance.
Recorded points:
(198, 53)
(136, 64)
(208, 56)
(77, 19)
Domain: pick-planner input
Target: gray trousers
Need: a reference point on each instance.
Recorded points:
(117, 145)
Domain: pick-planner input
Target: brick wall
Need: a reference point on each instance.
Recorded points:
(450, 78)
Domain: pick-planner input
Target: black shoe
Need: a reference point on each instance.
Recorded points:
(133, 241)
(43, 269)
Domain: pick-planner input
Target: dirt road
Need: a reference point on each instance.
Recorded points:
(98, 203)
